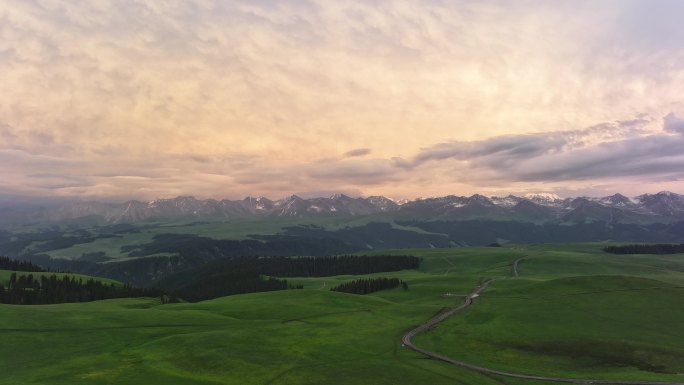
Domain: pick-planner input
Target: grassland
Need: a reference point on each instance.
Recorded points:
(235, 230)
(575, 311)
(232, 230)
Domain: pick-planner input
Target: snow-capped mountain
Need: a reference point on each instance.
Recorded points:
(382, 203)
(544, 199)
(543, 196)
(542, 207)
(664, 203)
(617, 200)
(508, 201)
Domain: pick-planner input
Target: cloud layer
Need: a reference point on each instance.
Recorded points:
(404, 98)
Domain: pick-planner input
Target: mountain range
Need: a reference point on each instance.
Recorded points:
(663, 207)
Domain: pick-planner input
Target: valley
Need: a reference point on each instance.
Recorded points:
(171, 235)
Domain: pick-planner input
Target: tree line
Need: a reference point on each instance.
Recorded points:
(336, 265)
(660, 248)
(13, 264)
(227, 276)
(239, 275)
(238, 282)
(25, 289)
(369, 285)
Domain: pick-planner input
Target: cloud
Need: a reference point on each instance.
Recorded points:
(246, 97)
(328, 193)
(609, 150)
(504, 150)
(673, 123)
(505, 147)
(360, 172)
(357, 152)
(619, 150)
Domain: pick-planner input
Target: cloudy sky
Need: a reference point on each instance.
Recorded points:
(146, 99)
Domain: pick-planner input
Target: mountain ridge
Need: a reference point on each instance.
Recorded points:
(664, 206)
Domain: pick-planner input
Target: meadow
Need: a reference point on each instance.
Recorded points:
(116, 248)
(574, 311)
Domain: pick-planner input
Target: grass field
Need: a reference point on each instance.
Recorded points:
(575, 311)
(232, 230)
(235, 230)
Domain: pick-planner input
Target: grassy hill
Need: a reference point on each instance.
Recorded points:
(609, 327)
(574, 311)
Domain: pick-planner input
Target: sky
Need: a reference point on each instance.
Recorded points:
(144, 99)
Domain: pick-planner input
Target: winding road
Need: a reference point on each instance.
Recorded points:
(407, 341)
(514, 271)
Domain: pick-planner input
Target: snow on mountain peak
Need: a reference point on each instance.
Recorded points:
(668, 193)
(508, 201)
(543, 196)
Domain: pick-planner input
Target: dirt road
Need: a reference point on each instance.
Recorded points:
(407, 341)
(514, 273)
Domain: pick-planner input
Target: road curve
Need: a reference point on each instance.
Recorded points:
(514, 271)
(406, 340)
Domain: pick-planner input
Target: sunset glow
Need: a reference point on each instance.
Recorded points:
(224, 99)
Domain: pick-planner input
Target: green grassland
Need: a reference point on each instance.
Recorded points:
(229, 230)
(110, 246)
(575, 311)
(234, 230)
